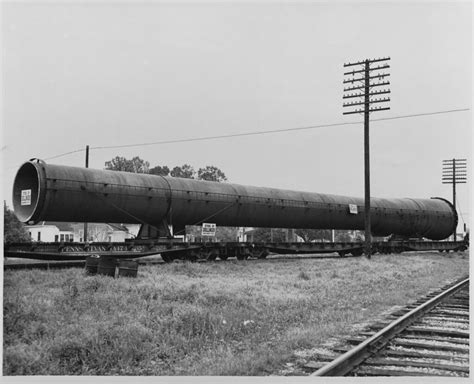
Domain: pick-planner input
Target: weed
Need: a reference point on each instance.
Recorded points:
(397, 275)
(186, 295)
(304, 276)
(92, 284)
(186, 268)
(21, 359)
(71, 355)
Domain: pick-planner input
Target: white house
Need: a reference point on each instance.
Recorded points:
(102, 232)
(49, 232)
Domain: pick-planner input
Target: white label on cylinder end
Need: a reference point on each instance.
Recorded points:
(26, 197)
(353, 209)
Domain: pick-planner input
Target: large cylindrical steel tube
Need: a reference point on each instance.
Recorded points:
(45, 192)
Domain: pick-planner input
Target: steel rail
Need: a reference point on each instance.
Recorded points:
(354, 357)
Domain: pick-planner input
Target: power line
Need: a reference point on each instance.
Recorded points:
(273, 130)
(52, 157)
(225, 136)
(423, 114)
(251, 133)
(65, 153)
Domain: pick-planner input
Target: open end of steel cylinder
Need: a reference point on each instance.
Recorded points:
(26, 192)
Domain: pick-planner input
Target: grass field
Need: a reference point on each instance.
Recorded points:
(220, 318)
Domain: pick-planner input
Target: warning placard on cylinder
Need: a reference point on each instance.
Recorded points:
(26, 197)
(208, 229)
(353, 209)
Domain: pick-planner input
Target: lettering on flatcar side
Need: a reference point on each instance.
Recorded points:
(119, 248)
(97, 248)
(72, 249)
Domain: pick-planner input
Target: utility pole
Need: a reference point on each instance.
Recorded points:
(87, 166)
(362, 92)
(454, 172)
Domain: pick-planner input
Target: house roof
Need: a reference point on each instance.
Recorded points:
(118, 227)
(104, 226)
(62, 226)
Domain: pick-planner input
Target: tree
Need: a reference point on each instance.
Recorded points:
(97, 232)
(266, 235)
(227, 233)
(14, 230)
(159, 170)
(314, 234)
(211, 173)
(135, 165)
(343, 236)
(185, 171)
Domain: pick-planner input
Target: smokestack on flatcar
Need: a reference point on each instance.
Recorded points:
(47, 192)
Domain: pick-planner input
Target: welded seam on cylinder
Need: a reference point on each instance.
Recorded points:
(170, 200)
(122, 210)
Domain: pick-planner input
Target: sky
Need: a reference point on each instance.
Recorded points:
(111, 74)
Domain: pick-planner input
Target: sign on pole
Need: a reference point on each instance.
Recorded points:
(208, 229)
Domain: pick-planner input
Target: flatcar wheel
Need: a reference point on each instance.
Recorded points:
(223, 257)
(166, 258)
(263, 254)
(341, 253)
(211, 256)
(192, 256)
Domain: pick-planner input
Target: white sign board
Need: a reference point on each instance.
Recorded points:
(25, 197)
(353, 209)
(208, 229)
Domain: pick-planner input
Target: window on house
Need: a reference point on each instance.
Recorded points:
(62, 237)
(39, 236)
(56, 238)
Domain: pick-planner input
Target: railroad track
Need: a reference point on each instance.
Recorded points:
(428, 338)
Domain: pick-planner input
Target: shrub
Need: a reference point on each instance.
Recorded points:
(304, 276)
